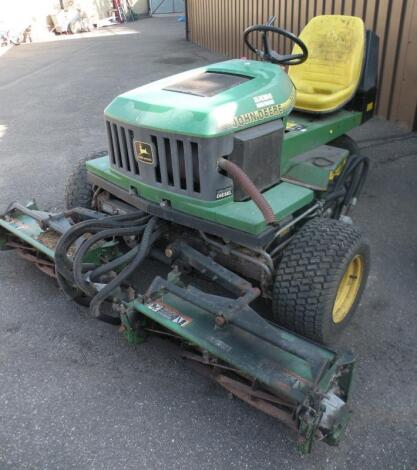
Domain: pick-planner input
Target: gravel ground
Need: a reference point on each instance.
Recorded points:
(75, 395)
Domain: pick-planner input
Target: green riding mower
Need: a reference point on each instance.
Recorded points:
(233, 184)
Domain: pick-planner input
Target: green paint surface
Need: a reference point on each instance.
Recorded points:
(239, 348)
(28, 230)
(284, 198)
(318, 130)
(304, 170)
(152, 106)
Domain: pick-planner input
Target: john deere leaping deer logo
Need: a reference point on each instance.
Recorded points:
(144, 152)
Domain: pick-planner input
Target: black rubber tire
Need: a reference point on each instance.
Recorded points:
(309, 274)
(78, 191)
(345, 142)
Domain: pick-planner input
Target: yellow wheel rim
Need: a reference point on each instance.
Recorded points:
(348, 289)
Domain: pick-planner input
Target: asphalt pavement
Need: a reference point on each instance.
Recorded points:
(75, 395)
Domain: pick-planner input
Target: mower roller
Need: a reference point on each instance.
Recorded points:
(234, 181)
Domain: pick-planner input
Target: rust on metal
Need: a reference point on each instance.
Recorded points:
(245, 393)
(46, 270)
(254, 391)
(46, 266)
(297, 376)
(13, 244)
(206, 361)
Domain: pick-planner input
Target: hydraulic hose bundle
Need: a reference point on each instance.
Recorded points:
(349, 184)
(76, 276)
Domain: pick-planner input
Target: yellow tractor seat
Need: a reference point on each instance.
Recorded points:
(328, 79)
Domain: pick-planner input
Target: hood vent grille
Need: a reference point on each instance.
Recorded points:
(176, 162)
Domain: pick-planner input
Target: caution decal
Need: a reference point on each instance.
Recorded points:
(169, 313)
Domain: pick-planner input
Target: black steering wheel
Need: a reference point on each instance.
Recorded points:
(269, 54)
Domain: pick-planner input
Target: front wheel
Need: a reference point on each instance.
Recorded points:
(78, 191)
(320, 279)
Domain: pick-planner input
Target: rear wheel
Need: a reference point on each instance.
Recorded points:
(320, 279)
(78, 191)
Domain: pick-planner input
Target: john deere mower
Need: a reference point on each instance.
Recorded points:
(233, 183)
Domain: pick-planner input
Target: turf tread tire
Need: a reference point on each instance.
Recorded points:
(309, 274)
(78, 191)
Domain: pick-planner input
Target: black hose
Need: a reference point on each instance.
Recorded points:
(70, 271)
(72, 292)
(63, 264)
(357, 185)
(77, 266)
(350, 167)
(103, 294)
(112, 265)
(356, 168)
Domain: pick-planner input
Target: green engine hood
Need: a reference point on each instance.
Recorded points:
(267, 94)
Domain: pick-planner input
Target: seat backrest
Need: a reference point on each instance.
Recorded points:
(336, 47)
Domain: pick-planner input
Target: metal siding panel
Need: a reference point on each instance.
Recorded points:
(214, 40)
(273, 10)
(358, 9)
(381, 24)
(249, 20)
(295, 13)
(204, 23)
(245, 25)
(281, 23)
(328, 4)
(310, 9)
(195, 30)
(287, 25)
(391, 38)
(320, 7)
(193, 20)
(405, 104)
(241, 27)
(223, 28)
(214, 26)
(370, 12)
(209, 34)
(397, 55)
(338, 5)
(256, 20)
(303, 14)
(233, 27)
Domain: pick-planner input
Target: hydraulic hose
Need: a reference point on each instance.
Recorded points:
(63, 263)
(248, 186)
(103, 294)
(357, 170)
(357, 167)
(72, 271)
(112, 265)
(79, 277)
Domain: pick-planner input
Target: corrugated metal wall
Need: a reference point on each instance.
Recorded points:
(219, 24)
